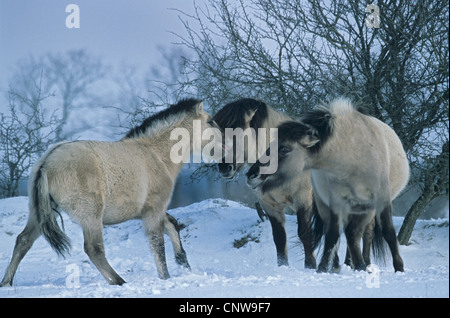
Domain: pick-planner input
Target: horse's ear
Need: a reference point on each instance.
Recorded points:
(310, 138)
(249, 115)
(199, 108)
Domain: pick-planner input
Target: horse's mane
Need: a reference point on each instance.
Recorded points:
(164, 118)
(232, 115)
(318, 122)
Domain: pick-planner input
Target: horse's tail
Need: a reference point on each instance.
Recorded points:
(379, 246)
(41, 206)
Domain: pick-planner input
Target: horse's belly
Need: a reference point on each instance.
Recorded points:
(114, 214)
(124, 197)
(123, 203)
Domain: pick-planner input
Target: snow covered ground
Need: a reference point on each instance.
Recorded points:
(213, 230)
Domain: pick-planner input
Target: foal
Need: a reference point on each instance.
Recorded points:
(101, 183)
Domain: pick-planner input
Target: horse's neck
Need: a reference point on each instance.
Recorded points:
(274, 119)
(162, 145)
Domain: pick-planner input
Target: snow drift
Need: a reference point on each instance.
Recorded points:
(231, 253)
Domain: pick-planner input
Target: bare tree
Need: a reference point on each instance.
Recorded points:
(74, 76)
(292, 54)
(73, 80)
(25, 134)
(435, 183)
(43, 94)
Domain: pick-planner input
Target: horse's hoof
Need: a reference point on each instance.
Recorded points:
(310, 264)
(398, 265)
(187, 266)
(181, 260)
(117, 281)
(336, 270)
(282, 261)
(164, 276)
(400, 269)
(322, 269)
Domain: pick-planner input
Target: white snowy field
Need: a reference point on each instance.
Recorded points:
(219, 269)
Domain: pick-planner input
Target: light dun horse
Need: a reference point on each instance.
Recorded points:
(357, 166)
(249, 113)
(99, 183)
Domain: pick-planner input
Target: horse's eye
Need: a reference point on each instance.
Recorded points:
(283, 151)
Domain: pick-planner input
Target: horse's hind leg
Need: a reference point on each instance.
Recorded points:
(387, 228)
(172, 229)
(23, 244)
(367, 240)
(93, 246)
(336, 266)
(353, 232)
(154, 225)
(348, 258)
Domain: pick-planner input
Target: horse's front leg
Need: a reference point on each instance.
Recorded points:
(331, 244)
(154, 229)
(172, 228)
(277, 220)
(306, 235)
(331, 224)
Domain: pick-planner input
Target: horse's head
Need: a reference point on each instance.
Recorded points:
(207, 135)
(293, 144)
(207, 121)
(235, 118)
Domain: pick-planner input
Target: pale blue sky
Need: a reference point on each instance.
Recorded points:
(119, 31)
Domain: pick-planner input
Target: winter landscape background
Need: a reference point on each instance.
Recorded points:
(129, 59)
